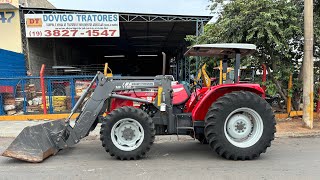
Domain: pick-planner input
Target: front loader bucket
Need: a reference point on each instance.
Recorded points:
(35, 143)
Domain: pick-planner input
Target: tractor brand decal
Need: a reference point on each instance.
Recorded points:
(178, 90)
(72, 25)
(128, 85)
(144, 84)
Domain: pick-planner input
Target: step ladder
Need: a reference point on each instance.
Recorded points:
(184, 122)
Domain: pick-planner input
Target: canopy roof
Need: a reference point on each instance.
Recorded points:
(221, 50)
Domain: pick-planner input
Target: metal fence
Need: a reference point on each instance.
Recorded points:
(23, 95)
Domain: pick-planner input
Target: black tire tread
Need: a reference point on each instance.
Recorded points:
(213, 126)
(111, 118)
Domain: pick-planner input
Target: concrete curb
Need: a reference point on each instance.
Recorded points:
(298, 135)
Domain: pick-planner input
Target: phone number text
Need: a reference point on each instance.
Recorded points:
(73, 33)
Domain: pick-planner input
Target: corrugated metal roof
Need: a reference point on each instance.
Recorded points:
(57, 10)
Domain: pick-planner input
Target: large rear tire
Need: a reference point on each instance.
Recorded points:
(127, 133)
(240, 126)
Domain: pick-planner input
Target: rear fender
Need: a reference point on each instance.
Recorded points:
(201, 108)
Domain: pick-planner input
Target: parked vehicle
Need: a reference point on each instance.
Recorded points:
(234, 119)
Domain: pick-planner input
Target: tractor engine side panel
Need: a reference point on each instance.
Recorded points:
(147, 94)
(201, 108)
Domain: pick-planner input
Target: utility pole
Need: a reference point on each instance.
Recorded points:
(308, 64)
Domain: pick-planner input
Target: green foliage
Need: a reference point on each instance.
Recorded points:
(270, 24)
(271, 88)
(275, 27)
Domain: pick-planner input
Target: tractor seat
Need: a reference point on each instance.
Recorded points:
(181, 94)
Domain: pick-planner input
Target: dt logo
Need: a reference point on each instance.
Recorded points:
(34, 22)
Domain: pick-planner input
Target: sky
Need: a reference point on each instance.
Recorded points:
(180, 7)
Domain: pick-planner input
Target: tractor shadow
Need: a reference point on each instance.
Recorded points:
(182, 149)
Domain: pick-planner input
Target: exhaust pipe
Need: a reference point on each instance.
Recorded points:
(164, 56)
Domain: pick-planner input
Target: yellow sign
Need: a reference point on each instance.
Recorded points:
(10, 33)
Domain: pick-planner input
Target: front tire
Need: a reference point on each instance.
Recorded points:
(127, 133)
(240, 126)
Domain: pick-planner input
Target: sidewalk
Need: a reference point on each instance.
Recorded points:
(285, 128)
(294, 127)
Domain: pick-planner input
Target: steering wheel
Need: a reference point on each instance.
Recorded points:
(198, 84)
(195, 85)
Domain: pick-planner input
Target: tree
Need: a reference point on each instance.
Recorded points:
(275, 26)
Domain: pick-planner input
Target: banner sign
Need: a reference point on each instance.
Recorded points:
(71, 25)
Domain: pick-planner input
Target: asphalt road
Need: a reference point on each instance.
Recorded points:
(293, 158)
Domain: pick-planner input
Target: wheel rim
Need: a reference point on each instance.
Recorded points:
(127, 134)
(243, 127)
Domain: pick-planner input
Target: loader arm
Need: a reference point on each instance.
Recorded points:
(97, 103)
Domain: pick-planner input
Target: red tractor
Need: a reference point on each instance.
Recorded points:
(233, 119)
